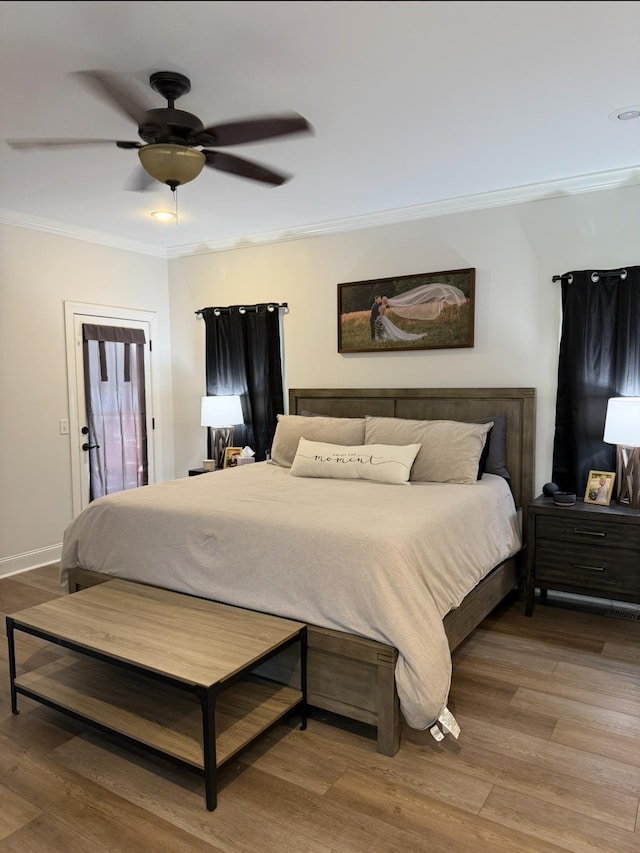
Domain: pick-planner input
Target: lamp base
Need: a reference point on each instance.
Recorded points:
(221, 438)
(628, 474)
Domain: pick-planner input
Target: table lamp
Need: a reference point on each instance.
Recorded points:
(220, 415)
(622, 428)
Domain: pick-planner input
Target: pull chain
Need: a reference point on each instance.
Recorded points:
(175, 202)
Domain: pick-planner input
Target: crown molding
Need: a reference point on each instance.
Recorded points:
(499, 198)
(594, 182)
(61, 229)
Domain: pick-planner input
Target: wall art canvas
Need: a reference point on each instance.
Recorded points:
(409, 312)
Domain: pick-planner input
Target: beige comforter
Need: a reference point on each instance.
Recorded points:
(383, 561)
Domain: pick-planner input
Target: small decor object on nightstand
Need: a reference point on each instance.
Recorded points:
(231, 455)
(248, 455)
(599, 487)
(549, 489)
(564, 498)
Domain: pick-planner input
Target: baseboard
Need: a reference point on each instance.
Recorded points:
(29, 560)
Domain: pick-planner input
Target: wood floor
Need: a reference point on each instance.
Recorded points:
(548, 760)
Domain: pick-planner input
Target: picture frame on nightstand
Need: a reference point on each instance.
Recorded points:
(599, 487)
(231, 455)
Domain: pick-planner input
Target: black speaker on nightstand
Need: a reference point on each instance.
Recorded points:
(564, 498)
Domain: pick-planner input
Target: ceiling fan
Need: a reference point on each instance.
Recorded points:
(175, 145)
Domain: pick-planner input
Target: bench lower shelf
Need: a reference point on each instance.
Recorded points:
(157, 715)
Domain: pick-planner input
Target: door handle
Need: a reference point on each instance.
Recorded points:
(87, 446)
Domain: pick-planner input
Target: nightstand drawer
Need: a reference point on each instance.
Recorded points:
(589, 530)
(588, 566)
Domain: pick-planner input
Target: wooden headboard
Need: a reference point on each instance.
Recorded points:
(454, 404)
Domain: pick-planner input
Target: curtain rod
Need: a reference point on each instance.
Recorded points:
(242, 309)
(595, 275)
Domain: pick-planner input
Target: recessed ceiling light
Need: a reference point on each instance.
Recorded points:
(163, 215)
(625, 113)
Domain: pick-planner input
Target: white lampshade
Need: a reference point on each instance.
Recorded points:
(622, 423)
(221, 411)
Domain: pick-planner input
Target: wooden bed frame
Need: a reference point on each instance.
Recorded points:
(353, 676)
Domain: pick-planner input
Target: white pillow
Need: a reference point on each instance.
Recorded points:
(384, 463)
(450, 450)
(291, 428)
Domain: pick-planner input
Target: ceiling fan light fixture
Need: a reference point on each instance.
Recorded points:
(171, 164)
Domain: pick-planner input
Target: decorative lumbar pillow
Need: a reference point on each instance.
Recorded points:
(450, 450)
(384, 463)
(291, 428)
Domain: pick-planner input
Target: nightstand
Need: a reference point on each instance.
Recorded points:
(584, 549)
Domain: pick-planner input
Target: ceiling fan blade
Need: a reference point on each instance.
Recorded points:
(26, 144)
(115, 91)
(243, 168)
(253, 129)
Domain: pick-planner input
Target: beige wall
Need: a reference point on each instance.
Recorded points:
(515, 249)
(38, 273)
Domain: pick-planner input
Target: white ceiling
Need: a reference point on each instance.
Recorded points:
(411, 102)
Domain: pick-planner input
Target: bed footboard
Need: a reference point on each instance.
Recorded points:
(350, 676)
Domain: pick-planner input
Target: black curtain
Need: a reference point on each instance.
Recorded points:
(242, 354)
(599, 358)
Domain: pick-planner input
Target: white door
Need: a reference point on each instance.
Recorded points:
(76, 315)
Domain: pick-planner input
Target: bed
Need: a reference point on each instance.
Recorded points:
(380, 629)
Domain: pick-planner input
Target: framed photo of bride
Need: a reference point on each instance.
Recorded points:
(409, 312)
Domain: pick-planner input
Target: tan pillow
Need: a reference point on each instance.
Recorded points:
(291, 428)
(384, 463)
(449, 450)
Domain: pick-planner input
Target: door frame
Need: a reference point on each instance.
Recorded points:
(73, 311)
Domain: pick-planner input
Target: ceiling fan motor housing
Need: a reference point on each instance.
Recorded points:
(169, 125)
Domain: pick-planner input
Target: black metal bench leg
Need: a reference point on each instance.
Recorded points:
(12, 666)
(208, 705)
